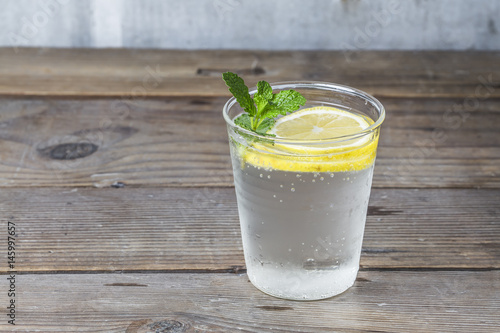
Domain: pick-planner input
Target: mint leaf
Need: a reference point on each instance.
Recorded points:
(284, 102)
(263, 95)
(239, 90)
(265, 126)
(244, 121)
(260, 119)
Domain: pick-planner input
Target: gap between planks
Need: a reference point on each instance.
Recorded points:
(242, 270)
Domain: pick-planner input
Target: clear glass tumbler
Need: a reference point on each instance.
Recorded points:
(302, 204)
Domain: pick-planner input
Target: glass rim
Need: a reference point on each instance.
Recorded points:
(319, 85)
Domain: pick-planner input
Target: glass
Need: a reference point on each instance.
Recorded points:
(302, 204)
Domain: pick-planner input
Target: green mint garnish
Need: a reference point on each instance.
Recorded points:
(265, 105)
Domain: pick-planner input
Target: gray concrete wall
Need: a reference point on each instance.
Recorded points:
(253, 24)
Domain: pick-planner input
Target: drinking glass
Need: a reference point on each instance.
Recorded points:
(302, 204)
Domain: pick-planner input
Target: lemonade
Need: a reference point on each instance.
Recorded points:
(302, 232)
(302, 197)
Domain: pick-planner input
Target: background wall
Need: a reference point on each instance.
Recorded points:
(252, 24)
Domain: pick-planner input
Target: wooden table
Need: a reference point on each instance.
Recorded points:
(115, 169)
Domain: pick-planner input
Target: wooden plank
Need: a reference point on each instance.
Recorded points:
(171, 229)
(118, 72)
(173, 142)
(379, 301)
(183, 142)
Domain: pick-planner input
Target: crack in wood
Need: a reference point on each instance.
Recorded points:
(362, 279)
(381, 211)
(274, 308)
(371, 250)
(125, 284)
(237, 269)
(199, 102)
(257, 70)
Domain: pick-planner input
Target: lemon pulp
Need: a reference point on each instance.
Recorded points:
(313, 149)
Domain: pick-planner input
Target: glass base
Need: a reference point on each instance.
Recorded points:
(304, 285)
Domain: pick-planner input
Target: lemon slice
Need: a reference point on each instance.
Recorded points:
(319, 123)
(317, 152)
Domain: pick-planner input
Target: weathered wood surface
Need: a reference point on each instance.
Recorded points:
(87, 72)
(76, 123)
(182, 141)
(380, 301)
(173, 229)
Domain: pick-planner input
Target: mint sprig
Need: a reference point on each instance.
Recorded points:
(265, 105)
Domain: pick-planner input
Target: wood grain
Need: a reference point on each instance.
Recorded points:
(197, 229)
(87, 72)
(182, 141)
(117, 161)
(378, 302)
